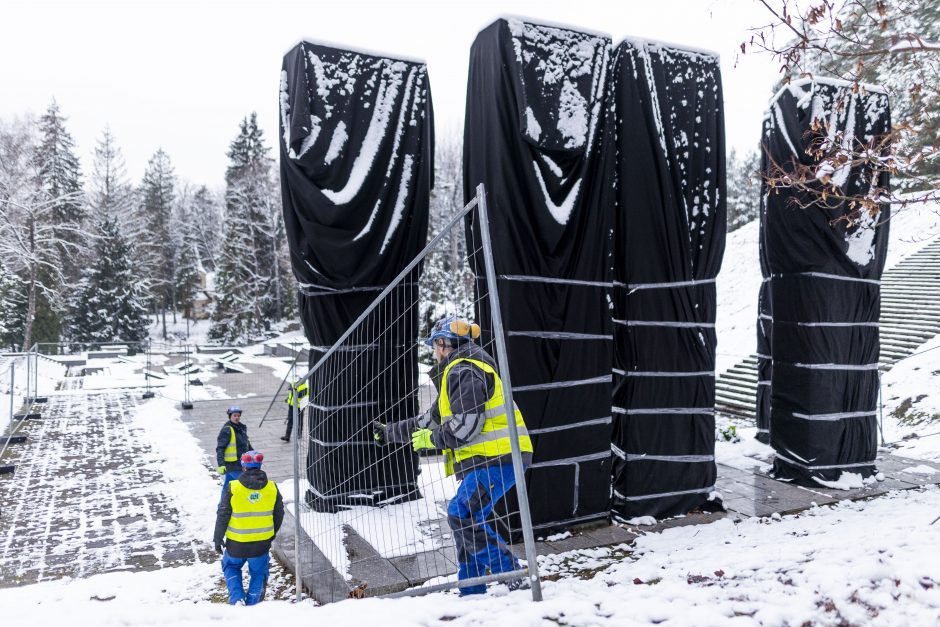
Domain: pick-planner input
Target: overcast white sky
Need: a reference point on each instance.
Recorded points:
(181, 74)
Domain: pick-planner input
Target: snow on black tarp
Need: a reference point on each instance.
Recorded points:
(356, 170)
(668, 244)
(765, 313)
(825, 285)
(535, 109)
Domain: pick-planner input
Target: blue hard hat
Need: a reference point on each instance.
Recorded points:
(252, 459)
(453, 328)
(234, 409)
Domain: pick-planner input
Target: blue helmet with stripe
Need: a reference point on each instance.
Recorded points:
(453, 328)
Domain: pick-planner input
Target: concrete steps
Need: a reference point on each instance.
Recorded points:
(910, 316)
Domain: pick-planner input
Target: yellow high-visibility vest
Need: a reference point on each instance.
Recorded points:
(493, 440)
(301, 394)
(231, 451)
(252, 513)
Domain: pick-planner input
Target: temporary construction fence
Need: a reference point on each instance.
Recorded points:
(382, 518)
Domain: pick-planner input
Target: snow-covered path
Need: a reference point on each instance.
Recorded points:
(86, 496)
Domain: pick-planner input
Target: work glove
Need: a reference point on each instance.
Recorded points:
(379, 433)
(218, 548)
(421, 439)
(220, 470)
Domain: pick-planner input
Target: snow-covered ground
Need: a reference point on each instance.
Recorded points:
(13, 372)
(739, 280)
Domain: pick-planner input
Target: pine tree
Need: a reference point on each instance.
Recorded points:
(60, 178)
(251, 281)
(110, 303)
(187, 263)
(743, 188)
(112, 195)
(205, 215)
(158, 253)
(12, 309)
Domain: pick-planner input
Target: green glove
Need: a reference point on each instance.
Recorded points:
(421, 439)
(220, 470)
(379, 432)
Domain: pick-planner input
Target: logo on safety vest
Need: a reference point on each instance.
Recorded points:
(254, 497)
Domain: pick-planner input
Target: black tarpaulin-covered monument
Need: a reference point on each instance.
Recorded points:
(356, 172)
(825, 283)
(669, 240)
(534, 115)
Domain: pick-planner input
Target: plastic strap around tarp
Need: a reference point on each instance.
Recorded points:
(836, 416)
(636, 373)
(575, 425)
(835, 324)
(562, 384)
(632, 457)
(873, 366)
(544, 279)
(312, 289)
(663, 495)
(661, 286)
(704, 411)
(568, 461)
(827, 467)
(346, 406)
(826, 275)
(665, 323)
(560, 335)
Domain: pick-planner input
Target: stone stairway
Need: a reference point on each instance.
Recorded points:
(910, 315)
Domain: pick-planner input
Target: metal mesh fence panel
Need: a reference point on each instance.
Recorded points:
(387, 511)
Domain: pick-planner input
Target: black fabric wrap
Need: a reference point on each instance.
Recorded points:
(534, 119)
(824, 386)
(357, 167)
(669, 228)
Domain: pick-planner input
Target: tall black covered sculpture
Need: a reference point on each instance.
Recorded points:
(356, 173)
(668, 245)
(534, 117)
(825, 259)
(765, 318)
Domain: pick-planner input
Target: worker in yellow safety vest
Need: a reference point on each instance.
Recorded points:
(230, 445)
(469, 422)
(293, 404)
(248, 519)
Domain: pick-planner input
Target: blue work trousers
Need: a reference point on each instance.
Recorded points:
(258, 572)
(230, 476)
(479, 546)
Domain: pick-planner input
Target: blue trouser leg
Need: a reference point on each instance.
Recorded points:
(230, 476)
(258, 569)
(479, 546)
(232, 569)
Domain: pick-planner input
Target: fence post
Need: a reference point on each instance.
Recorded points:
(12, 392)
(148, 393)
(295, 437)
(525, 516)
(187, 401)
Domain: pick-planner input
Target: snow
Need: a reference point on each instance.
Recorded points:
(49, 373)
(739, 281)
(782, 570)
(920, 470)
(336, 143)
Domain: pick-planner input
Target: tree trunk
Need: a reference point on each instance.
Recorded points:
(173, 299)
(31, 301)
(163, 312)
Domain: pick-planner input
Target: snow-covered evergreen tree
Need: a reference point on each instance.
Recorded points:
(60, 178)
(13, 295)
(187, 263)
(252, 278)
(111, 194)
(205, 216)
(743, 188)
(158, 250)
(110, 302)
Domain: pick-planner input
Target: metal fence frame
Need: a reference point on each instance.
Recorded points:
(531, 569)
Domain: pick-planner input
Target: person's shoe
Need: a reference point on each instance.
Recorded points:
(240, 602)
(520, 583)
(285, 438)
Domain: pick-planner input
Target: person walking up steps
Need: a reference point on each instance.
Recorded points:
(248, 518)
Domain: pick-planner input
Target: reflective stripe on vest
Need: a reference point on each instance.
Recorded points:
(231, 452)
(493, 440)
(252, 513)
(301, 394)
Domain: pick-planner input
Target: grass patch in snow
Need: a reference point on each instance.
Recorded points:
(906, 414)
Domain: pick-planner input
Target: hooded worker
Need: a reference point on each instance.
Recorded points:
(248, 518)
(231, 444)
(470, 423)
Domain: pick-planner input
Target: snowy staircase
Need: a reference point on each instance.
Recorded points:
(910, 316)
